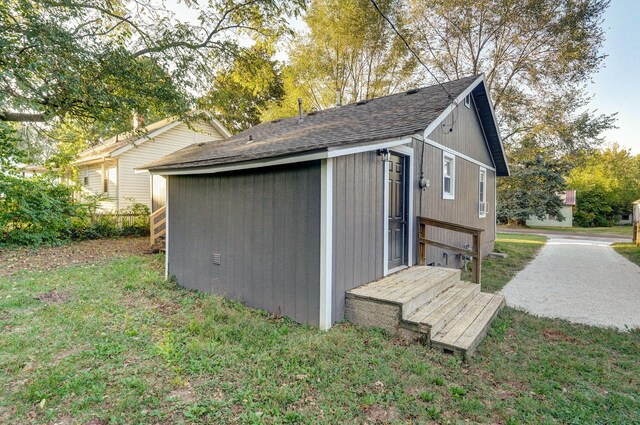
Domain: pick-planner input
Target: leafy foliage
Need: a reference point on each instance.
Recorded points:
(36, 211)
(607, 183)
(241, 92)
(532, 190)
(537, 56)
(349, 49)
(98, 61)
(10, 152)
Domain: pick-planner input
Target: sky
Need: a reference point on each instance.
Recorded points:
(616, 88)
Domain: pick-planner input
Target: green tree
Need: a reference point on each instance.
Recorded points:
(349, 51)
(97, 61)
(537, 56)
(10, 153)
(241, 92)
(532, 190)
(606, 184)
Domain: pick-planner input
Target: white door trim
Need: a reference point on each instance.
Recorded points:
(326, 243)
(406, 152)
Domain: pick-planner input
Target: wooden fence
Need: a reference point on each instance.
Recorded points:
(120, 220)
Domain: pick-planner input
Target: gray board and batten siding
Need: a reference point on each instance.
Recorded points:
(358, 224)
(263, 228)
(466, 138)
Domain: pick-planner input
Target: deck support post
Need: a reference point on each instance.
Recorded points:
(326, 243)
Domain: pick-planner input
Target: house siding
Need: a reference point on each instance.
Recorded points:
(567, 212)
(466, 138)
(94, 186)
(264, 223)
(358, 224)
(136, 187)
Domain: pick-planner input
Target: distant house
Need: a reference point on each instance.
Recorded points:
(108, 169)
(569, 202)
(290, 215)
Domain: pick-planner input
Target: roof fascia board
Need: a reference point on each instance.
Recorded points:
(269, 162)
(92, 161)
(484, 134)
(145, 138)
(349, 150)
(495, 123)
(217, 125)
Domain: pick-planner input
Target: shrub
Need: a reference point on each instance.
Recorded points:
(34, 210)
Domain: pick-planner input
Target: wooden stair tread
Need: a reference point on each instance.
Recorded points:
(401, 287)
(470, 325)
(435, 310)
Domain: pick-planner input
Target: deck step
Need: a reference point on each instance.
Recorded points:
(435, 315)
(464, 332)
(410, 288)
(429, 302)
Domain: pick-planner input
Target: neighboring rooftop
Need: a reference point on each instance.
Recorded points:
(569, 197)
(116, 142)
(388, 117)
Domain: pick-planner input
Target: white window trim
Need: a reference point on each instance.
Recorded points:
(449, 156)
(482, 213)
(467, 101)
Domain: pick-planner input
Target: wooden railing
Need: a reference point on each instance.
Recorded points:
(475, 252)
(157, 224)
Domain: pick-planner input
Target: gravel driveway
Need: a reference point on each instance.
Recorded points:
(579, 279)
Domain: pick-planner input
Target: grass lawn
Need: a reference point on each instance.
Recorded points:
(114, 343)
(613, 230)
(629, 250)
(520, 248)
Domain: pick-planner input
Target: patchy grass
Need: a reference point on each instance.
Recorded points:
(613, 230)
(629, 250)
(520, 248)
(114, 343)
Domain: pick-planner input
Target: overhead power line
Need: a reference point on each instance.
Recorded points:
(413, 52)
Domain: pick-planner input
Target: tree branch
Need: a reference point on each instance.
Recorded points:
(21, 117)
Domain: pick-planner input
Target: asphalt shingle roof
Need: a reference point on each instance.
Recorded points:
(123, 139)
(387, 117)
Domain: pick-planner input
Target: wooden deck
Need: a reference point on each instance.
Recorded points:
(428, 301)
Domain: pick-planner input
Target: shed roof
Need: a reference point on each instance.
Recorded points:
(398, 115)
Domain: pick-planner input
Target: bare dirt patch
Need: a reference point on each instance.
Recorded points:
(557, 335)
(377, 414)
(83, 252)
(52, 297)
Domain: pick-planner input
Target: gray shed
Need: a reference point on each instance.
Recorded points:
(291, 214)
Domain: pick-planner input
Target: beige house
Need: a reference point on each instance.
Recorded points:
(109, 169)
(569, 203)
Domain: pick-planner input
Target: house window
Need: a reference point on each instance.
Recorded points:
(448, 175)
(467, 101)
(482, 193)
(85, 181)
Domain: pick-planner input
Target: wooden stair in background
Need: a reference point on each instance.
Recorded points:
(158, 228)
(428, 302)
